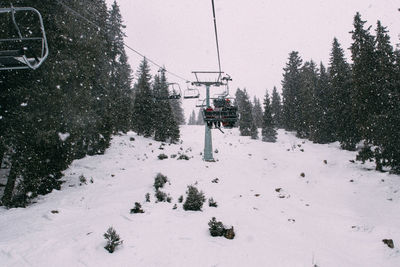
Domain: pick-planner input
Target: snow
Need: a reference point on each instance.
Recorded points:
(336, 215)
(63, 136)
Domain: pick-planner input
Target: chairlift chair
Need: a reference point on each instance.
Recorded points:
(191, 93)
(23, 52)
(174, 90)
(223, 113)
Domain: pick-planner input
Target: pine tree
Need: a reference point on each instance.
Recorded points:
(143, 106)
(344, 121)
(384, 135)
(290, 91)
(276, 108)
(268, 131)
(367, 100)
(120, 76)
(192, 118)
(305, 122)
(257, 112)
(253, 130)
(200, 120)
(245, 112)
(323, 111)
(176, 105)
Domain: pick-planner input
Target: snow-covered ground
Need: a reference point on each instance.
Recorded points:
(336, 215)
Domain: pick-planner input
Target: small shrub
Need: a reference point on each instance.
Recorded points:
(175, 207)
(162, 156)
(212, 203)
(169, 199)
(132, 139)
(173, 156)
(161, 196)
(82, 179)
(302, 174)
(180, 199)
(194, 200)
(113, 240)
(160, 181)
(137, 208)
(183, 156)
(147, 196)
(215, 181)
(216, 228)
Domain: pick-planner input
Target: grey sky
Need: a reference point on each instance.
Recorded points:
(256, 36)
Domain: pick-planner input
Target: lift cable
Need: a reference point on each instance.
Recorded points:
(127, 46)
(216, 35)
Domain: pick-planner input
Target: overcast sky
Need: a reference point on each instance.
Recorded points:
(255, 36)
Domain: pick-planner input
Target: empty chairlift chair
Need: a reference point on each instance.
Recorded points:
(25, 47)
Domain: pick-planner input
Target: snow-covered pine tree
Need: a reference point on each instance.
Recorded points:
(257, 112)
(366, 97)
(343, 123)
(268, 131)
(200, 119)
(276, 108)
(192, 118)
(290, 91)
(305, 122)
(245, 112)
(164, 121)
(176, 105)
(143, 106)
(323, 132)
(384, 135)
(120, 75)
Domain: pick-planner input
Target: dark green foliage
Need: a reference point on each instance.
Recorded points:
(253, 131)
(183, 157)
(143, 105)
(162, 196)
(177, 110)
(113, 240)
(212, 203)
(160, 180)
(276, 108)
(180, 199)
(70, 105)
(162, 156)
(194, 199)
(268, 131)
(257, 113)
(137, 208)
(164, 121)
(216, 228)
(192, 118)
(245, 112)
(147, 197)
(290, 91)
(82, 179)
(344, 125)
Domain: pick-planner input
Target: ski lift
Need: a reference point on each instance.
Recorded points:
(22, 51)
(200, 103)
(191, 93)
(223, 113)
(174, 90)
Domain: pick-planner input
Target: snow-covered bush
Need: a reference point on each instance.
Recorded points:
(212, 203)
(194, 200)
(137, 208)
(183, 156)
(113, 240)
(82, 179)
(180, 199)
(160, 181)
(162, 156)
(216, 228)
(147, 196)
(162, 196)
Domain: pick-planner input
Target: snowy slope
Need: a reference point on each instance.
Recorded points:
(336, 215)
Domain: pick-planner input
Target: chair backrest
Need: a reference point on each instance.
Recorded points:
(23, 52)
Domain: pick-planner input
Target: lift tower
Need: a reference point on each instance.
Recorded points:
(208, 151)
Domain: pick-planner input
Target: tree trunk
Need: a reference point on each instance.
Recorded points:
(8, 191)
